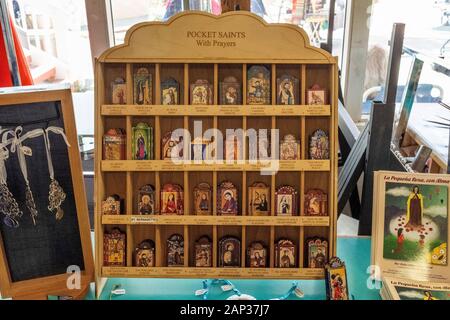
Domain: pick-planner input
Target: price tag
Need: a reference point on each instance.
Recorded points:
(201, 292)
(226, 287)
(299, 293)
(119, 292)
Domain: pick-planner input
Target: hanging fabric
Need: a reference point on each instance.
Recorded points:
(24, 69)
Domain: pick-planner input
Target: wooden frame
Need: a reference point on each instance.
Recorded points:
(41, 288)
(286, 50)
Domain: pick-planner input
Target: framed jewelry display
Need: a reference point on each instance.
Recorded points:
(44, 181)
(245, 90)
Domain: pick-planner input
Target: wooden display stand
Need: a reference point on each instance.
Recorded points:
(192, 46)
(28, 267)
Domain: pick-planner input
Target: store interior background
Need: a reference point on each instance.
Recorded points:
(60, 49)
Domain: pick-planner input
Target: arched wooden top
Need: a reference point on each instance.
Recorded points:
(239, 37)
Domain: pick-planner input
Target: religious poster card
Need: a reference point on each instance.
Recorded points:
(410, 226)
(403, 289)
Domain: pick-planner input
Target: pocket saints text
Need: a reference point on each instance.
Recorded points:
(216, 38)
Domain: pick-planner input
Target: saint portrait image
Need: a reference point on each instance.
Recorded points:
(317, 253)
(316, 96)
(229, 252)
(257, 255)
(227, 203)
(319, 146)
(258, 85)
(259, 203)
(203, 252)
(202, 199)
(142, 143)
(170, 92)
(172, 200)
(172, 148)
(286, 201)
(416, 223)
(142, 86)
(287, 90)
(230, 91)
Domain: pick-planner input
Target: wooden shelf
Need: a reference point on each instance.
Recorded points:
(285, 51)
(303, 221)
(214, 110)
(216, 273)
(164, 165)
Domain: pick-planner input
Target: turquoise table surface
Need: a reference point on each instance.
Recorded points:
(355, 251)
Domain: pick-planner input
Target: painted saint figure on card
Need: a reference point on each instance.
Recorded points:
(414, 208)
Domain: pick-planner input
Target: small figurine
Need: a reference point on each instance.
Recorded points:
(229, 252)
(143, 87)
(119, 91)
(285, 254)
(227, 201)
(170, 92)
(230, 91)
(202, 199)
(259, 199)
(316, 203)
(316, 96)
(175, 251)
(289, 148)
(144, 254)
(287, 90)
(201, 93)
(142, 143)
(258, 85)
(114, 144)
(319, 146)
(146, 200)
(286, 201)
(112, 205)
(257, 255)
(114, 248)
(172, 200)
(336, 280)
(203, 252)
(317, 252)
